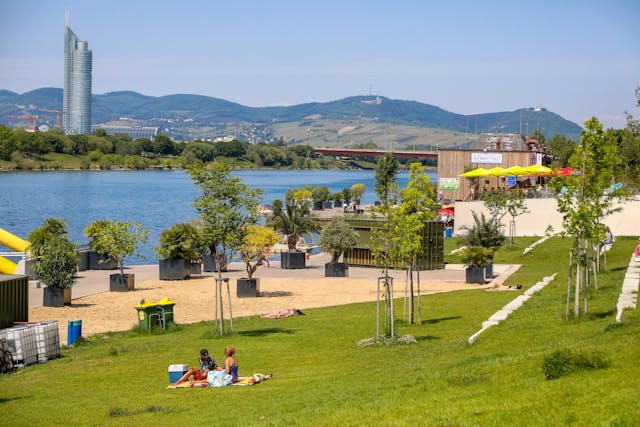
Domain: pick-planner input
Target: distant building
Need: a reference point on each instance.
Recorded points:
(76, 101)
(136, 132)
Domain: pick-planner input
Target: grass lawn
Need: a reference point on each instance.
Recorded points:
(321, 378)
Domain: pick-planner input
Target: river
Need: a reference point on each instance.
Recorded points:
(156, 199)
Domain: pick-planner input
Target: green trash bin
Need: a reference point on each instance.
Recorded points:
(165, 310)
(148, 316)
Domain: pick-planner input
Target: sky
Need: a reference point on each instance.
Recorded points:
(577, 58)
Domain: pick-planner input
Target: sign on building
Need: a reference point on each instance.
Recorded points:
(449, 183)
(486, 157)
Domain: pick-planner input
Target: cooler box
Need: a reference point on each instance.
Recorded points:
(176, 372)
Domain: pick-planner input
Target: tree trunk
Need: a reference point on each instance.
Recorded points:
(411, 294)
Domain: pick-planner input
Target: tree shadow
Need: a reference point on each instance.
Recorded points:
(441, 319)
(274, 294)
(427, 338)
(80, 305)
(9, 399)
(265, 332)
(603, 314)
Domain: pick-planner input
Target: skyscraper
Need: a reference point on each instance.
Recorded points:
(76, 99)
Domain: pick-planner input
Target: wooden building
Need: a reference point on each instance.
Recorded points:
(490, 151)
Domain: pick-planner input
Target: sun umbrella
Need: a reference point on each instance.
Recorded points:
(516, 171)
(539, 170)
(497, 171)
(475, 173)
(445, 211)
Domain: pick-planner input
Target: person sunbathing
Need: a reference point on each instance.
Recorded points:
(207, 363)
(285, 312)
(230, 363)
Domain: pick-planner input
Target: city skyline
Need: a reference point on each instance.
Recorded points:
(576, 59)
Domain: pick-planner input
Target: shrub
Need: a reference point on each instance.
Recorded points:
(563, 362)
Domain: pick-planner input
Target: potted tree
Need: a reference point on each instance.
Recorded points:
(179, 245)
(485, 233)
(96, 260)
(118, 240)
(320, 195)
(476, 259)
(254, 252)
(56, 261)
(293, 218)
(337, 237)
(50, 228)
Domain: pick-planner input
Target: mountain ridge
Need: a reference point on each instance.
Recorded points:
(201, 111)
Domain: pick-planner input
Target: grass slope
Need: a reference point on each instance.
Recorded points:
(322, 378)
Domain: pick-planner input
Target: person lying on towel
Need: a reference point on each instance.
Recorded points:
(285, 312)
(207, 363)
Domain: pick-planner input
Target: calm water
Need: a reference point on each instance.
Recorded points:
(156, 199)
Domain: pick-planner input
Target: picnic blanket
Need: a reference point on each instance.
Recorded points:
(242, 381)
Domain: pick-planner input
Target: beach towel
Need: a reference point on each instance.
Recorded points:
(242, 381)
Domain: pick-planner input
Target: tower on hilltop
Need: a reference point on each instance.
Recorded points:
(76, 98)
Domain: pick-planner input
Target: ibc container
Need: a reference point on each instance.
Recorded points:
(47, 340)
(22, 344)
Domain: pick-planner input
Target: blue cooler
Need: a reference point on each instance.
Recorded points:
(176, 372)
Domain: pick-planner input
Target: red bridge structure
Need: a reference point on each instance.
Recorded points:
(372, 152)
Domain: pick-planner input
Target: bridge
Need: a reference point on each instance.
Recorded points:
(374, 152)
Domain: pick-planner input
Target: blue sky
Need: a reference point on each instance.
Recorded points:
(578, 58)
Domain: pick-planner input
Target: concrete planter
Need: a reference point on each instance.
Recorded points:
(174, 269)
(488, 271)
(100, 261)
(247, 288)
(338, 269)
(210, 263)
(83, 259)
(474, 275)
(196, 268)
(56, 297)
(121, 282)
(292, 260)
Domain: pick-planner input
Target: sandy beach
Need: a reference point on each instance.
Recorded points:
(103, 311)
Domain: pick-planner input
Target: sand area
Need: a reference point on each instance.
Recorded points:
(103, 311)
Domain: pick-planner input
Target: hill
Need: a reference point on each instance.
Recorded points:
(185, 116)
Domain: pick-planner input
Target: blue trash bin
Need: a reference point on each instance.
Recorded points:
(448, 232)
(74, 331)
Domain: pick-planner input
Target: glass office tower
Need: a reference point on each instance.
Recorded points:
(76, 114)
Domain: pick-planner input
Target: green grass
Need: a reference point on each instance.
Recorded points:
(322, 378)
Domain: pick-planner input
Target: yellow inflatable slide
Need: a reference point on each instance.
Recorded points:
(15, 244)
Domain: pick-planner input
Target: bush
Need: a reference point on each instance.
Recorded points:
(563, 362)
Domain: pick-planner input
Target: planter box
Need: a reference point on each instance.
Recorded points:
(328, 204)
(474, 275)
(56, 297)
(488, 271)
(121, 282)
(210, 263)
(83, 259)
(292, 260)
(100, 261)
(174, 269)
(317, 206)
(247, 288)
(339, 269)
(196, 268)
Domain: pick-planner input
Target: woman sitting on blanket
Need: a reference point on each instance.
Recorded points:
(207, 363)
(230, 363)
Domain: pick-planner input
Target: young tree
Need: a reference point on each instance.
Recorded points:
(338, 237)
(357, 190)
(583, 200)
(256, 244)
(502, 202)
(118, 240)
(386, 175)
(226, 207)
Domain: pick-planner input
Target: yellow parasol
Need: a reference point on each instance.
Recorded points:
(497, 171)
(516, 171)
(475, 173)
(539, 170)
